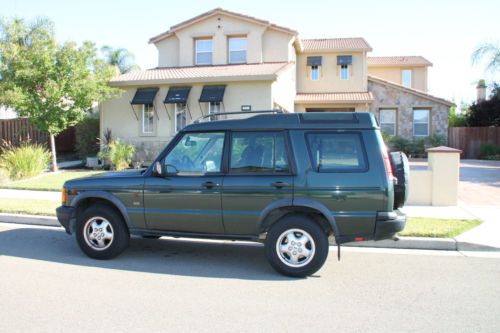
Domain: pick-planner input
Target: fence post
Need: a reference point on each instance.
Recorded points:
(445, 165)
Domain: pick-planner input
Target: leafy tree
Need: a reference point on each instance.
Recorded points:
(486, 113)
(457, 119)
(491, 52)
(122, 58)
(52, 84)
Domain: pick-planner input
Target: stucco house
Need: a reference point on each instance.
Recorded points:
(222, 61)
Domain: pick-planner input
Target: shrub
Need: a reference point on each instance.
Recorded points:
(87, 133)
(118, 154)
(400, 144)
(488, 149)
(24, 161)
(435, 140)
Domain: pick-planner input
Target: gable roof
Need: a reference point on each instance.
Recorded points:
(336, 44)
(219, 11)
(216, 73)
(410, 90)
(399, 61)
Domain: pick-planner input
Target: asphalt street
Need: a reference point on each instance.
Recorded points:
(169, 285)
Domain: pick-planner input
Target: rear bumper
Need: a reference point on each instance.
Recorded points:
(388, 224)
(64, 214)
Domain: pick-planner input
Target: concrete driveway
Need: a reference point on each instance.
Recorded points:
(479, 183)
(167, 285)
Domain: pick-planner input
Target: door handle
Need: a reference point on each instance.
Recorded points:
(280, 184)
(209, 184)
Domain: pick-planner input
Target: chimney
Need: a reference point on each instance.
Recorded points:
(481, 91)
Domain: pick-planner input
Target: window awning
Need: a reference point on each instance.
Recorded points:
(144, 96)
(177, 95)
(212, 93)
(344, 60)
(314, 61)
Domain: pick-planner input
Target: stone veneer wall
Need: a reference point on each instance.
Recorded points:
(389, 97)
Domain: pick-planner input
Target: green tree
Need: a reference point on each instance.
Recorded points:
(490, 52)
(121, 58)
(52, 84)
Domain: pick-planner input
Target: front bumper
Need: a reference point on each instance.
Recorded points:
(64, 215)
(389, 224)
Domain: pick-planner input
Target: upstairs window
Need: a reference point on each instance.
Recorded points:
(344, 72)
(203, 51)
(406, 78)
(314, 73)
(314, 62)
(237, 50)
(421, 122)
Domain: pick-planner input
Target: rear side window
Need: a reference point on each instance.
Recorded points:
(337, 152)
(258, 152)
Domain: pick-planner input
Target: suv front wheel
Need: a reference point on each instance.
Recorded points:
(101, 232)
(296, 246)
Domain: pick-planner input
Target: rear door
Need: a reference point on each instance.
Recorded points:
(342, 172)
(259, 172)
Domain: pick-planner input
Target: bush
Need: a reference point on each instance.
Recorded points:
(417, 146)
(118, 154)
(27, 160)
(488, 150)
(87, 133)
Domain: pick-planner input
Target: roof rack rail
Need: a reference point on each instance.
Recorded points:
(214, 116)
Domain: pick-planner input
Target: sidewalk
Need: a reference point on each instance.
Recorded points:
(25, 194)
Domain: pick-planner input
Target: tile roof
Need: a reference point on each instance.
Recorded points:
(218, 11)
(399, 61)
(216, 73)
(334, 44)
(410, 90)
(322, 98)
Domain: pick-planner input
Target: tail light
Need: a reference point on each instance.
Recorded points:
(387, 164)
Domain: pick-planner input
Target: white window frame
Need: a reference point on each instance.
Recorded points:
(214, 107)
(148, 108)
(409, 84)
(344, 69)
(428, 122)
(180, 108)
(237, 50)
(315, 73)
(196, 52)
(382, 110)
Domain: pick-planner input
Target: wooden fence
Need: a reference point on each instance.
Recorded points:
(19, 129)
(469, 139)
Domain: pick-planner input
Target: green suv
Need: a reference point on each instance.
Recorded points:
(291, 181)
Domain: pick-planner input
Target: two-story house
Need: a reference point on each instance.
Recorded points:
(221, 61)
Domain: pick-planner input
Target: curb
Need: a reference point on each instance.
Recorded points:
(412, 243)
(47, 221)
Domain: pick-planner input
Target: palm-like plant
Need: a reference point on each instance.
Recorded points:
(490, 52)
(122, 58)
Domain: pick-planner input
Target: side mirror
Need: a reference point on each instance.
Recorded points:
(157, 169)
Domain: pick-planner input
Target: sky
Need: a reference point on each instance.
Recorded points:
(445, 32)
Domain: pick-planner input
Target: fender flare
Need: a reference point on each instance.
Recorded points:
(106, 196)
(301, 202)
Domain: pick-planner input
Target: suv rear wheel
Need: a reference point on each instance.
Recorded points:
(101, 232)
(296, 246)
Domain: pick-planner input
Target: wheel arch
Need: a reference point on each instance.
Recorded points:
(86, 199)
(313, 209)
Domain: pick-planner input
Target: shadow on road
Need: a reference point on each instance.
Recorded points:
(162, 256)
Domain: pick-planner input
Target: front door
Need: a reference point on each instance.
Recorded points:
(259, 173)
(188, 196)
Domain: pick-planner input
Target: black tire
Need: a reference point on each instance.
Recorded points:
(401, 170)
(275, 236)
(150, 236)
(99, 213)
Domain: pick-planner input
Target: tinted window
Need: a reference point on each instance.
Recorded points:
(332, 152)
(196, 153)
(258, 152)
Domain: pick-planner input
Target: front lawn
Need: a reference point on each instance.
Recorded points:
(438, 228)
(29, 206)
(48, 181)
